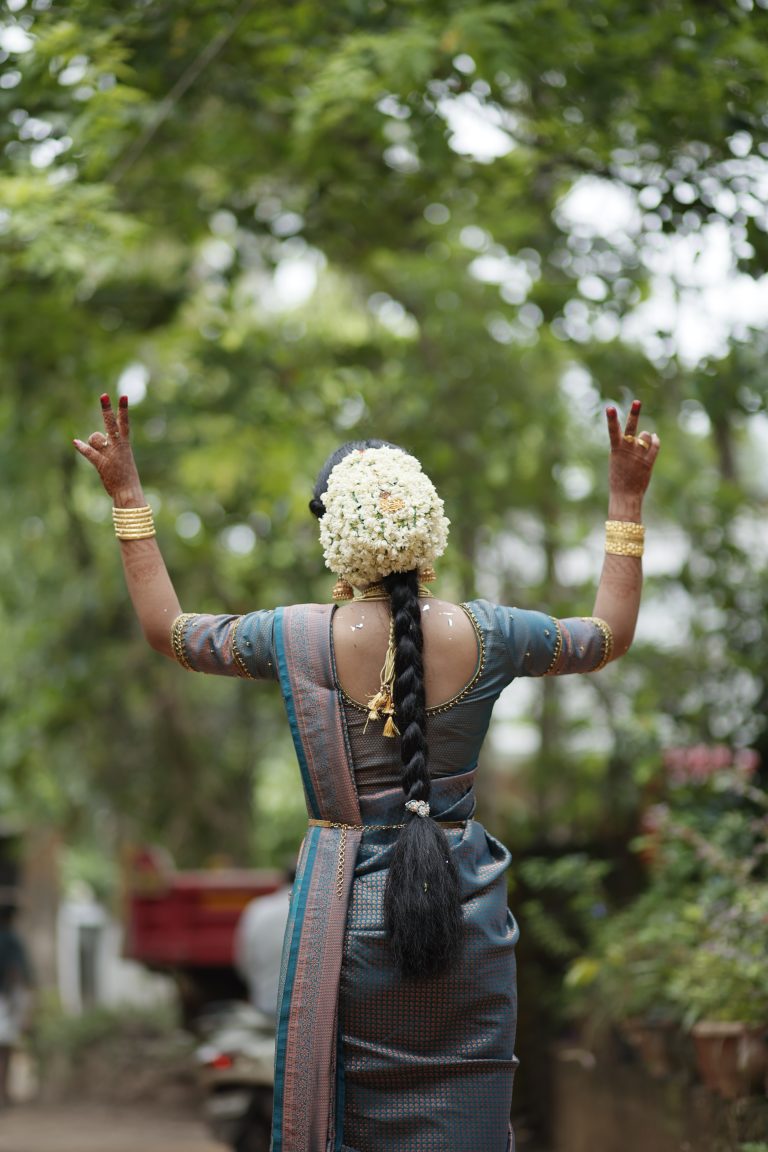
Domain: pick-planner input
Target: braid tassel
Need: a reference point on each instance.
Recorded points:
(382, 703)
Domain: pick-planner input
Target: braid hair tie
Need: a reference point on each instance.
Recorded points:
(418, 807)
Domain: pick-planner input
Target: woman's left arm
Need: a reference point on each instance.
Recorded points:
(632, 459)
(541, 645)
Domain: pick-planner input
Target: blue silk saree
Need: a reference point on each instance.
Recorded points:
(366, 1062)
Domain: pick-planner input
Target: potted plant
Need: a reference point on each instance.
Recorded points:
(717, 820)
(723, 992)
(691, 950)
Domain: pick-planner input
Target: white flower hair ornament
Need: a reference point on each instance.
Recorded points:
(382, 515)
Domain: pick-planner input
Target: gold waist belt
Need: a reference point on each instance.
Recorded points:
(378, 827)
(344, 828)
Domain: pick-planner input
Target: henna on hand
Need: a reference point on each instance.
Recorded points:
(632, 456)
(110, 451)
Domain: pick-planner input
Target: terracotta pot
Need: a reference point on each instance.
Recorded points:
(732, 1057)
(652, 1040)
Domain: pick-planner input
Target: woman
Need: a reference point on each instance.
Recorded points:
(397, 1004)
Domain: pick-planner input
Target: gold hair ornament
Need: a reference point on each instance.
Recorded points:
(342, 589)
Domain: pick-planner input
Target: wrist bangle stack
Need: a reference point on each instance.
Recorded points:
(133, 523)
(624, 538)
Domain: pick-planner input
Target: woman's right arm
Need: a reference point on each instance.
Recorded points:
(149, 585)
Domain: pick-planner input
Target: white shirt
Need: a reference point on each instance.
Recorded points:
(259, 945)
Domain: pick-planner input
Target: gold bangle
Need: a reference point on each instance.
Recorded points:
(133, 523)
(624, 538)
(619, 547)
(627, 528)
(132, 513)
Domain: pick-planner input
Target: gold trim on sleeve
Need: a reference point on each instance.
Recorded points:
(552, 669)
(177, 638)
(607, 640)
(242, 667)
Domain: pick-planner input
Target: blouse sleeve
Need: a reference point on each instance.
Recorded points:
(539, 645)
(226, 645)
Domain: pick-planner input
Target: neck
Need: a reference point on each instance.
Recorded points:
(377, 591)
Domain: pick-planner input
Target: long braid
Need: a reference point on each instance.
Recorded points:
(422, 904)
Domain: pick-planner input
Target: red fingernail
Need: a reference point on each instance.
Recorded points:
(636, 405)
(105, 400)
(123, 401)
(611, 410)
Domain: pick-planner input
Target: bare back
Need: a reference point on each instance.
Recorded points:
(360, 635)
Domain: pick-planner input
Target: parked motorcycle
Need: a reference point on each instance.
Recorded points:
(236, 1059)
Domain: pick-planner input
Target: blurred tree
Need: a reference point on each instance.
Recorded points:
(482, 198)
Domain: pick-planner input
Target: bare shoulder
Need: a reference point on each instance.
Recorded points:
(451, 649)
(443, 620)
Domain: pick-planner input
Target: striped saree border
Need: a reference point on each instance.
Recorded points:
(291, 946)
(287, 687)
(305, 665)
(308, 1107)
(308, 1070)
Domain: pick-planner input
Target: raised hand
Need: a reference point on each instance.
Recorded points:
(110, 451)
(633, 454)
(149, 585)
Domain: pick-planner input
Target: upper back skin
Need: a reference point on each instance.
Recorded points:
(360, 636)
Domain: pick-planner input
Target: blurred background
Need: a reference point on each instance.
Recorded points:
(464, 227)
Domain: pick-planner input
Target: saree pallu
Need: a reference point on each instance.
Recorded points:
(366, 1062)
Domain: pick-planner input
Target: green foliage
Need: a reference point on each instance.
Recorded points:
(569, 899)
(634, 960)
(693, 944)
(725, 977)
(58, 1034)
(165, 168)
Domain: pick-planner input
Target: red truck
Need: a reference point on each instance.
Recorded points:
(183, 923)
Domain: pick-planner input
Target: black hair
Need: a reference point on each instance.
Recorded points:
(316, 506)
(422, 899)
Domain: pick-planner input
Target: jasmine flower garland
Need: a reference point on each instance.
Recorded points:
(382, 515)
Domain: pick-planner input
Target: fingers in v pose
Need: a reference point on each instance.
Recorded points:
(642, 446)
(110, 451)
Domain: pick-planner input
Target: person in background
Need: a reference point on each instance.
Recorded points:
(15, 994)
(259, 945)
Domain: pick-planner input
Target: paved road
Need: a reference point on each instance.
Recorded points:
(83, 1128)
